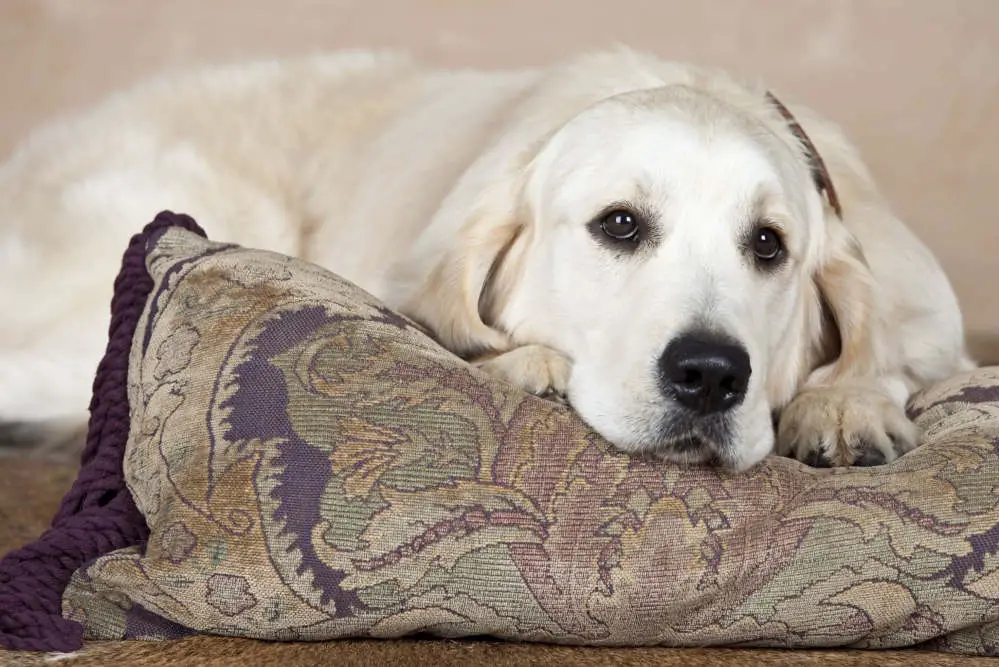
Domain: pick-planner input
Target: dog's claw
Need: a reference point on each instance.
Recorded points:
(818, 460)
(871, 456)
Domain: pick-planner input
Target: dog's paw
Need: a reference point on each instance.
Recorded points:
(844, 426)
(536, 369)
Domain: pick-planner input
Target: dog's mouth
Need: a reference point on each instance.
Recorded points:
(691, 444)
(693, 450)
(688, 440)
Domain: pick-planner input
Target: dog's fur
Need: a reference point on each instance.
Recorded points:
(468, 201)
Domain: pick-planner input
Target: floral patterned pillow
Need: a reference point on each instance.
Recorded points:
(312, 466)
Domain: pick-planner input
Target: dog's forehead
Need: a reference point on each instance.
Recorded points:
(615, 151)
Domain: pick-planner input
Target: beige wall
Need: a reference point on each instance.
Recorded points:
(915, 82)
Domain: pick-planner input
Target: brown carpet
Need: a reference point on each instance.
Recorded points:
(30, 492)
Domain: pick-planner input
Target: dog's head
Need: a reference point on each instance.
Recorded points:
(678, 251)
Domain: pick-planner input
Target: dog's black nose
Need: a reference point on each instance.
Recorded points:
(705, 372)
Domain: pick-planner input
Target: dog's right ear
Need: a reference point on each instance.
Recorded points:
(459, 276)
(451, 298)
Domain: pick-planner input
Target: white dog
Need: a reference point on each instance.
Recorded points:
(665, 246)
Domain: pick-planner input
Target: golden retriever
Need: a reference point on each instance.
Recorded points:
(683, 258)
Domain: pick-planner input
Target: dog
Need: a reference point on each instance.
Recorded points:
(704, 273)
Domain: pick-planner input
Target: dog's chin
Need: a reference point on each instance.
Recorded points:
(680, 440)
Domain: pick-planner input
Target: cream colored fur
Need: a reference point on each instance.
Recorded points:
(462, 198)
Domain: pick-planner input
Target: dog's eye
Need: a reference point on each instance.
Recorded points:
(767, 245)
(621, 225)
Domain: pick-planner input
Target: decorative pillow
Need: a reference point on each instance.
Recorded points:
(312, 466)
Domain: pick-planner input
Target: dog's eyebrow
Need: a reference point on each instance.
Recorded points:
(758, 217)
(758, 206)
(823, 181)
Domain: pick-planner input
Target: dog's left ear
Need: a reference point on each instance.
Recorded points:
(844, 281)
(847, 289)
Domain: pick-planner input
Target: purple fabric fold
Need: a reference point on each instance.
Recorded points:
(98, 514)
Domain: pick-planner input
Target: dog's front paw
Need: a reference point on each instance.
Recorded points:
(844, 426)
(537, 369)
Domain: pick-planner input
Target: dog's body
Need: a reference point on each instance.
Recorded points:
(488, 206)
